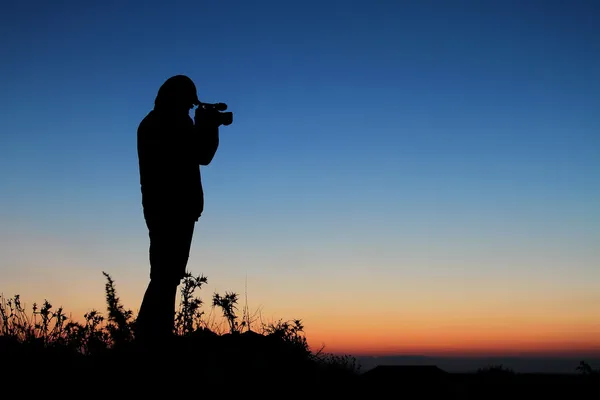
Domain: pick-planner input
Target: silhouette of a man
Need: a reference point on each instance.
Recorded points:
(171, 148)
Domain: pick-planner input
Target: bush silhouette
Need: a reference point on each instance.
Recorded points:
(47, 338)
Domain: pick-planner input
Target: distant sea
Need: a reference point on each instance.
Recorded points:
(543, 365)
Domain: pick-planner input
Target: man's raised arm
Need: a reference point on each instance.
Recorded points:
(206, 142)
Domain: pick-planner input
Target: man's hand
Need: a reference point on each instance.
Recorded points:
(205, 118)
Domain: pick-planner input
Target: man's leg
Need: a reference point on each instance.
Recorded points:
(170, 244)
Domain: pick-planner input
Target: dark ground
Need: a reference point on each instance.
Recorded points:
(196, 372)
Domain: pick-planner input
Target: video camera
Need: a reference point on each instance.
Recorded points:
(215, 111)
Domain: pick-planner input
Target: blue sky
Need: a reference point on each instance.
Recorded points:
(444, 147)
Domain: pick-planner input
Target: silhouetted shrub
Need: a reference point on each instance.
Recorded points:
(277, 350)
(586, 369)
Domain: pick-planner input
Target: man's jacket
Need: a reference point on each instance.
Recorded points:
(171, 150)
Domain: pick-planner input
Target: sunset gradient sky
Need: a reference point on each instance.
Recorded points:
(415, 177)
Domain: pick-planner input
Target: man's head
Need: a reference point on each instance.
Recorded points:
(178, 93)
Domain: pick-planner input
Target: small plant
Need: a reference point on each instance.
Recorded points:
(228, 304)
(188, 317)
(496, 370)
(586, 369)
(288, 331)
(340, 363)
(90, 337)
(120, 320)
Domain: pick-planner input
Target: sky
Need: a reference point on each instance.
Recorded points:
(408, 177)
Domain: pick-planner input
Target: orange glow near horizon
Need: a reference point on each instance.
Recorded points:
(467, 345)
(464, 341)
(367, 314)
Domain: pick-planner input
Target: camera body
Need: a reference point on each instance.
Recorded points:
(214, 112)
